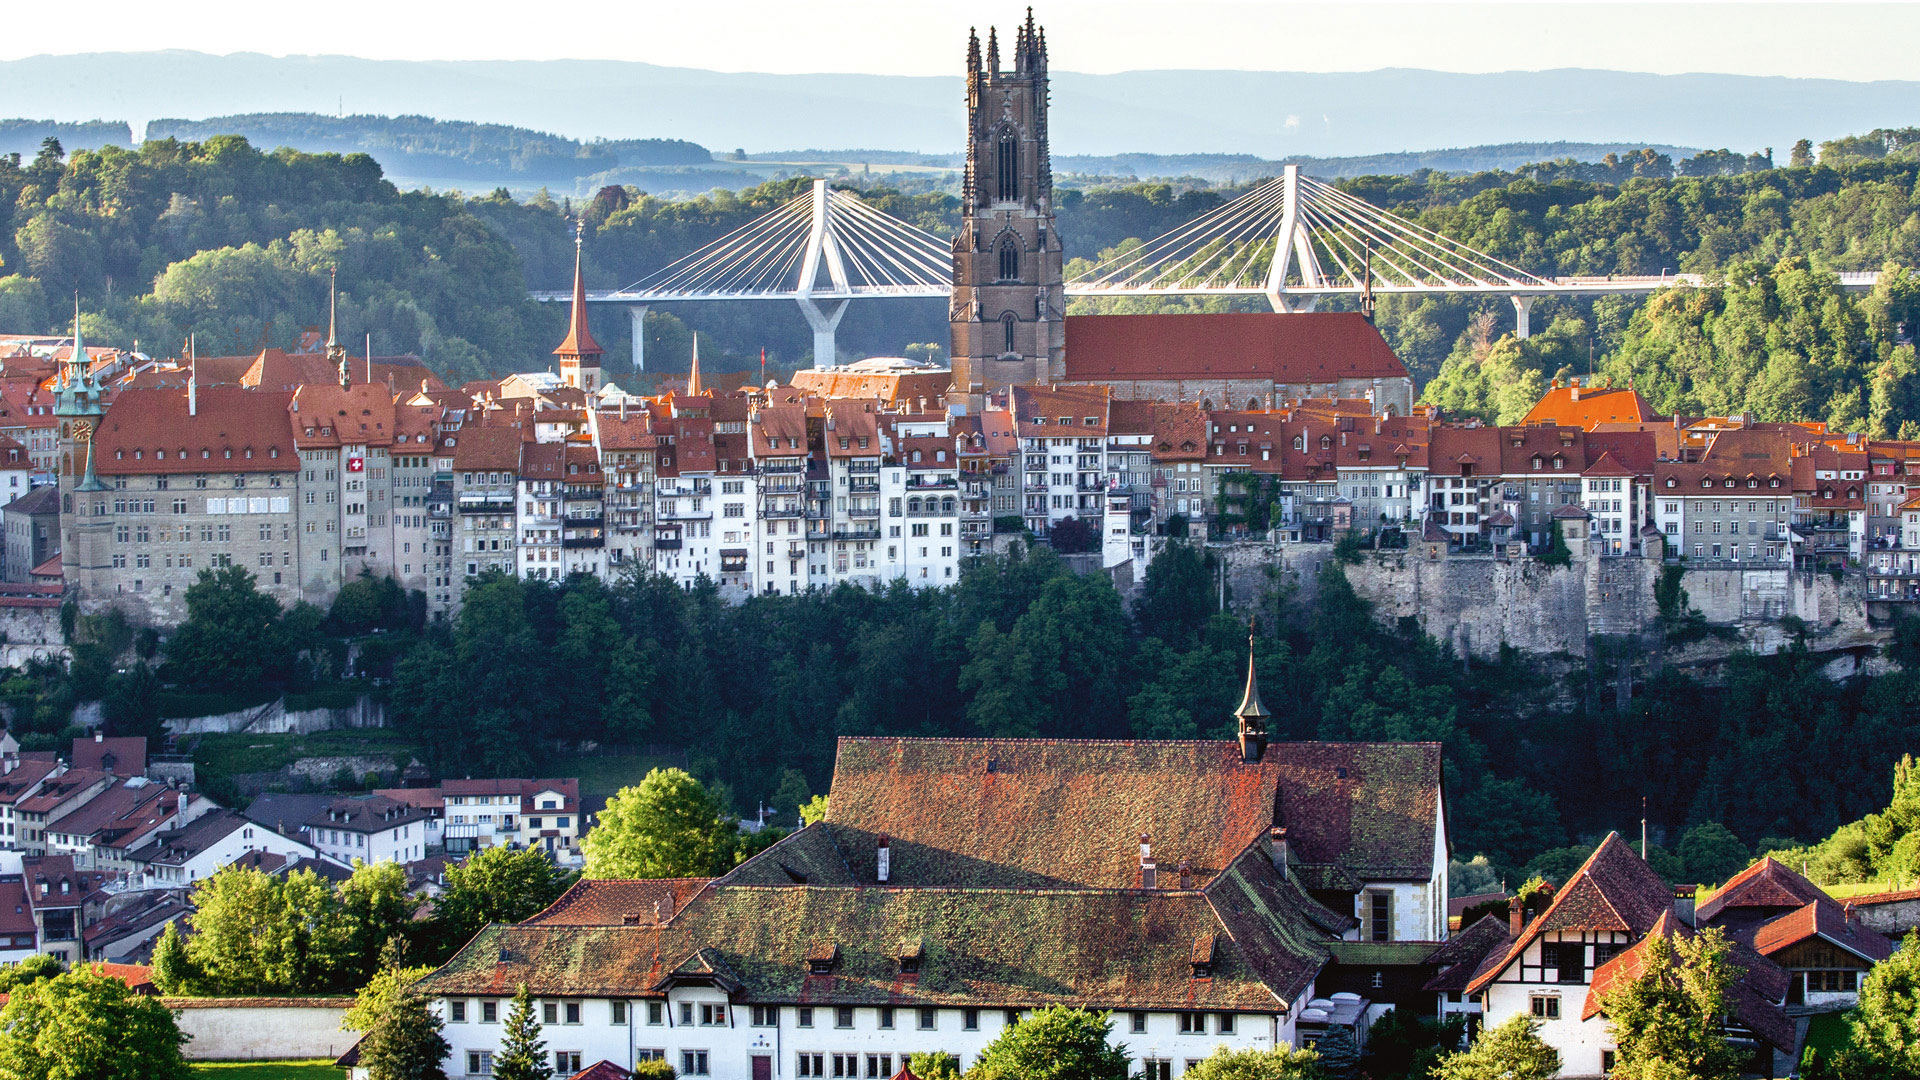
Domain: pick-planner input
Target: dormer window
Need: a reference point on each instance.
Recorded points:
(911, 952)
(1706, 482)
(1326, 442)
(1537, 462)
(821, 956)
(1204, 947)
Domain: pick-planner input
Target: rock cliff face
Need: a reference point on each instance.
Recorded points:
(1480, 603)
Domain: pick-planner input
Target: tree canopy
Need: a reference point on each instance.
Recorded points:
(666, 826)
(82, 1025)
(1058, 1043)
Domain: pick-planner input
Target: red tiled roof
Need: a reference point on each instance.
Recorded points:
(129, 754)
(1520, 445)
(1633, 452)
(1455, 449)
(1767, 883)
(1585, 406)
(1061, 411)
(601, 1070)
(1314, 347)
(233, 430)
(1823, 918)
(488, 447)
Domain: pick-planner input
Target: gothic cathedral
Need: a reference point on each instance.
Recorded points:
(1007, 310)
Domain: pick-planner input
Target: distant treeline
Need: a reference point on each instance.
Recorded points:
(453, 149)
(24, 137)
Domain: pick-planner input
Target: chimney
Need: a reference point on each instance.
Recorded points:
(1186, 874)
(1280, 848)
(1148, 874)
(659, 910)
(1516, 916)
(885, 860)
(1683, 903)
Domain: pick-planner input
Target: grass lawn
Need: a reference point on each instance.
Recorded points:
(1862, 888)
(604, 772)
(224, 754)
(312, 1069)
(1827, 1032)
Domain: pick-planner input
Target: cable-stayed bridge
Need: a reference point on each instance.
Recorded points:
(1293, 240)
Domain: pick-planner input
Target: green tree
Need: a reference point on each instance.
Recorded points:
(814, 809)
(793, 793)
(934, 1065)
(405, 1042)
(666, 826)
(1885, 1026)
(1339, 1057)
(1280, 1063)
(1058, 1043)
(1801, 156)
(23, 303)
(382, 991)
(87, 1026)
(1668, 1022)
(375, 910)
(31, 970)
(1557, 553)
(1178, 595)
(656, 1069)
(1711, 853)
(230, 638)
(254, 933)
(173, 973)
(523, 1054)
(1512, 1051)
(495, 885)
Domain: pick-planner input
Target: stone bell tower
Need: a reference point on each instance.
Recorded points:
(1007, 306)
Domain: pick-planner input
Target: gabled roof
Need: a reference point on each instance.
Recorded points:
(1463, 953)
(1766, 884)
(231, 430)
(1316, 347)
(128, 754)
(1826, 919)
(1613, 890)
(1752, 996)
(600, 1070)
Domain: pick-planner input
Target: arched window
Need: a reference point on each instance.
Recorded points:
(1009, 260)
(1007, 165)
(1206, 404)
(1253, 404)
(1006, 324)
(1326, 442)
(913, 506)
(946, 507)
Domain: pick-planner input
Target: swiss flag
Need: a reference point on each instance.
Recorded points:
(355, 464)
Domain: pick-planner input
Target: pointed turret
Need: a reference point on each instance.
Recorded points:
(993, 50)
(579, 354)
(76, 399)
(1251, 713)
(693, 376)
(973, 50)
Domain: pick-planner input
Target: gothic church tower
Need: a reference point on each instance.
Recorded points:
(1007, 306)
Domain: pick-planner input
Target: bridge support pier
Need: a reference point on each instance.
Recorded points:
(638, 314)
(1522, 316)
(1283, 303)
(824, 319)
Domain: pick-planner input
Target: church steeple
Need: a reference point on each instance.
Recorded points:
(1006, 316)
(579, 354)
(1251, 713)
(693, 375)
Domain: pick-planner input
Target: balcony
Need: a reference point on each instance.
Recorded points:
(864, 487)
(501, 505)
(782, 512)
(584, 521)
(863, 466)
(864, 512)
(771, 467)
(685, 515)
(668, 543)
(856, 534)
(921, 482)
(584, 542)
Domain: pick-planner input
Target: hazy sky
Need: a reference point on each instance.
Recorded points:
(1846, 41)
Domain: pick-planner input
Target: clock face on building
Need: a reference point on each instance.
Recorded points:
(82, 431)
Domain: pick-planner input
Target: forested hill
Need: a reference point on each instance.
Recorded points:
(24, 137)
(452, 149)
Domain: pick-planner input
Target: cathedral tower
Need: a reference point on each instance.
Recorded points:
(1007, 306)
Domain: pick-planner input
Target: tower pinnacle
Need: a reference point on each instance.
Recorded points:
(579, 354)
(336, 352)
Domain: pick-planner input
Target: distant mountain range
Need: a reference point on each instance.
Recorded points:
(1268, 114)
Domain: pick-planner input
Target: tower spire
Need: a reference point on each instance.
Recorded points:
(579, 354)
(993, 50)
(973, 50)
(1251, 714)
(336, 352)
(693, 378)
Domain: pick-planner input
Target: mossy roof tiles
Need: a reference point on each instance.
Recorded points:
(1034, 813)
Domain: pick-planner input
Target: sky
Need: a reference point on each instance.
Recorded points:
(916, 37)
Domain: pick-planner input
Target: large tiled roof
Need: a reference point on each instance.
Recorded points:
(232, 430)
(1042, 812)
(1284, 348)
(1614, 890)
(979, 947)
(1821, 918)
(1463, 954)
(1768, 883)
(1061, 411)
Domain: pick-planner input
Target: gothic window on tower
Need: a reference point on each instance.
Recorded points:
(1009, 260)
(1007, 324)
(1007, 161)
